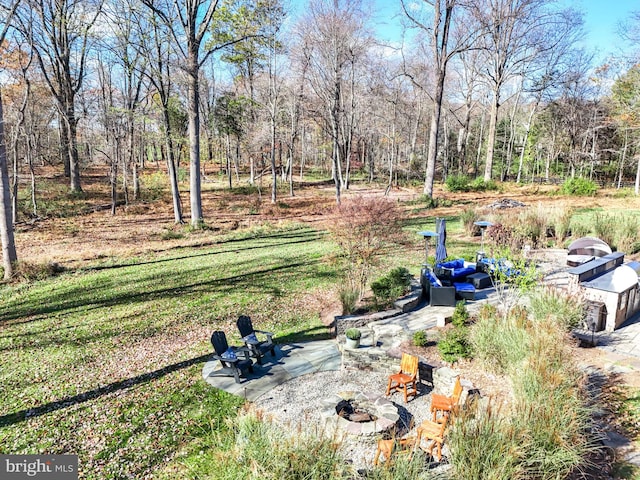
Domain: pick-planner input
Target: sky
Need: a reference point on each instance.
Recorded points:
(601, 18)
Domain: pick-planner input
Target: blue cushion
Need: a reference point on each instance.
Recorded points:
(251, 338)
(433, 280)
(229, 354)
(459, 263)
(464, 287)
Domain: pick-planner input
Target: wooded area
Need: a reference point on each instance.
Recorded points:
(497, 89)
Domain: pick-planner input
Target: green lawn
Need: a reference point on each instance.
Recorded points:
(106, 362)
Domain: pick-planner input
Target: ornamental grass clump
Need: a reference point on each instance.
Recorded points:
(267, 451)
(567, 310)
(544, 433)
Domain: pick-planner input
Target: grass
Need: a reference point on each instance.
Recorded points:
(106, 362)
(543, 435)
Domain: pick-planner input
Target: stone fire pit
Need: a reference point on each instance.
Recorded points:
(359, 413)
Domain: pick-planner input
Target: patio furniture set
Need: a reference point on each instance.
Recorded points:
(449, 282)
(237, 360)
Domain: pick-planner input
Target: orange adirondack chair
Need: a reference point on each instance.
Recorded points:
(394, 446)
(406, 379)
(433, 432)
(441, 404)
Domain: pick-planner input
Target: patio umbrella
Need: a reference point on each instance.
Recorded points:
(441, 250)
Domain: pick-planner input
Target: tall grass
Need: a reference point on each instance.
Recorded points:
(543, 435)
(264, 450)
(484, 445)
(567, 310)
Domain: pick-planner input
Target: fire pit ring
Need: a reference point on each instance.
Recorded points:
(382, 413)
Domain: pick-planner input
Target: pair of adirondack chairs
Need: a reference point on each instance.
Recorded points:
(237, 360)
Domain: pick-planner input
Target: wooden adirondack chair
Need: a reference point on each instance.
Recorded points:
(406, 379)
(441, 404)
(229, 357)
(394, 446)
(432, 432)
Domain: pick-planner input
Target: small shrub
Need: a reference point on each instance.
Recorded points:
(27, 271)
(420, 338)
(393, 285)
(482, 185)
(579, 187)
(455, 345)
(169, 234)
(426, 201)
(460, 315)
(353, 333)
(457, 183)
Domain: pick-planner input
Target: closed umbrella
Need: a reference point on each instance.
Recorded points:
(441, 249)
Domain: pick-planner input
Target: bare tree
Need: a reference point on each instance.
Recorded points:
(520, 33)
(9, 254)
(156, 47)
(59, 31)
(335, 39)
(438, 35)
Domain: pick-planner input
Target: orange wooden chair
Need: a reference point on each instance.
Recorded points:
(441, 404)
(432, 432)
(406, 379)
(394, 446)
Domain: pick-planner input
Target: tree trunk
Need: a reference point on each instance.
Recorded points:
(64, 145)
(491, 135)
(432, 152)
(194, 140)
(9, 254)
(274, 179)
(74, 157)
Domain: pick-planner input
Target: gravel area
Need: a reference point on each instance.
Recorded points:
(298, 403)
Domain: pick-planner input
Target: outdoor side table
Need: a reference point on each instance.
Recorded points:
(479, 280)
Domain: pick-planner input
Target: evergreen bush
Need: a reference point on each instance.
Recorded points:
(391, 286)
